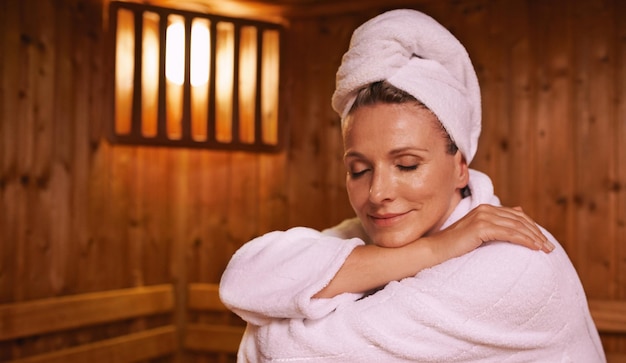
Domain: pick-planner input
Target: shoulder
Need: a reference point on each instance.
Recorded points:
(511, 283)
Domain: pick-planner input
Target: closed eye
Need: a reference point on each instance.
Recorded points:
(407, 167)
(357, 174)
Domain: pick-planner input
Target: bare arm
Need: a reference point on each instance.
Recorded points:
(369, 267)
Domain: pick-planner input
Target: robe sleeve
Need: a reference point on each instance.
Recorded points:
(276, 275)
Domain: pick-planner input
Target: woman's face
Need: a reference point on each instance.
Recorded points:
(401, 181)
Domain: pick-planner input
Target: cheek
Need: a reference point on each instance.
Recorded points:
(357, 192)
(414, 188)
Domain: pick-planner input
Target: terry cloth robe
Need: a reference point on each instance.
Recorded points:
(499, 303)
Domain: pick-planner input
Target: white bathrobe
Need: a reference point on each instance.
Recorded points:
(499, 303)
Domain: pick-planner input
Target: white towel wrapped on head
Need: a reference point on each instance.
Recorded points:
(416, 54)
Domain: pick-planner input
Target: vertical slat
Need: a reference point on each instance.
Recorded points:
(554, 177)
(136, 119)
(156, 215)
(162, 112)
(186, 119)
(258, 117)
(594, 148)
(243, 197)
(491, 64)
(273, 198)
(211, 104)
(216, 243)
(5, 126)
(180, 194)
(236, 121)
(619, 122)
(521, 164)
(11, 251)
(49, 256)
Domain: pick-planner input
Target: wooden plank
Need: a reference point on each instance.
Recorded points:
(135, 347)
(181, 195)
(594, 149)
(490, 56)
(615, 358)
(212, 247)
(54, 314)
(619, 185)
(215, 338)
(553, 179)
(205, 297)
(609, 315)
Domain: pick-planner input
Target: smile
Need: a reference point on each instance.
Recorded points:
(386, 220)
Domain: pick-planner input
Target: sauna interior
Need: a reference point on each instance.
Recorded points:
(111, 250)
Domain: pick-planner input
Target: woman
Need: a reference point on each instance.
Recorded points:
(410, 107)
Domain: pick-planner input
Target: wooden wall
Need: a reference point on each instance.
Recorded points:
(80, 215)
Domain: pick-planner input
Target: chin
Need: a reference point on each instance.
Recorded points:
(390, 240)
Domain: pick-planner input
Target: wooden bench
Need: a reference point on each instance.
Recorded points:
(610, 318)
(57, 315)
(45, 316)
(212, 337)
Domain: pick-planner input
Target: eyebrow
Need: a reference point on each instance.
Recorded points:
(402, 150)
(393, 152)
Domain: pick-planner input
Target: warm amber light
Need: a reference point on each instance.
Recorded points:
(200, 66)
(269, 88)
(124, 71)
(200, 52)
(224, 81)
(175, 51)
(150, 74)
(175, 74)
(247, 83)
(153, 102)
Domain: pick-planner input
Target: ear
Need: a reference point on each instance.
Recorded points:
(462, 170)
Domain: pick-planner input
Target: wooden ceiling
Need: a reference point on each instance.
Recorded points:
(281, 10)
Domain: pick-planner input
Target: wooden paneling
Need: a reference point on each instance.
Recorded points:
(135, 347)
(610, 316)
(81, 215)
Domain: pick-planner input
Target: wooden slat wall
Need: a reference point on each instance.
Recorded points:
(81, 215)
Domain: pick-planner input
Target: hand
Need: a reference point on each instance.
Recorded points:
(488, 223)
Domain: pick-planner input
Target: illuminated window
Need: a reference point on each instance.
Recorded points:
(189, 79)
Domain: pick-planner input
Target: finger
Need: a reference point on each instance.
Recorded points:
(523, 230)
(541, 241)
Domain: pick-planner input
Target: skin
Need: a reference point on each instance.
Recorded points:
(403, 186)
(401, 182)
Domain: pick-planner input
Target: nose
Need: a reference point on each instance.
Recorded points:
(382, 187)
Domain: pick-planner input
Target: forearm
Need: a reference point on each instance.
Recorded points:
(370, 267)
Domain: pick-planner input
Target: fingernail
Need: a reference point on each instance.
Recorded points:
(549, 246)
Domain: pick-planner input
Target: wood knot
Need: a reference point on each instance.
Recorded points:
(25, 180)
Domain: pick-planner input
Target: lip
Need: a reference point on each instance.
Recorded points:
(386, 220)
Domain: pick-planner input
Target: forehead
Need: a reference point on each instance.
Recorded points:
(382, 119)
